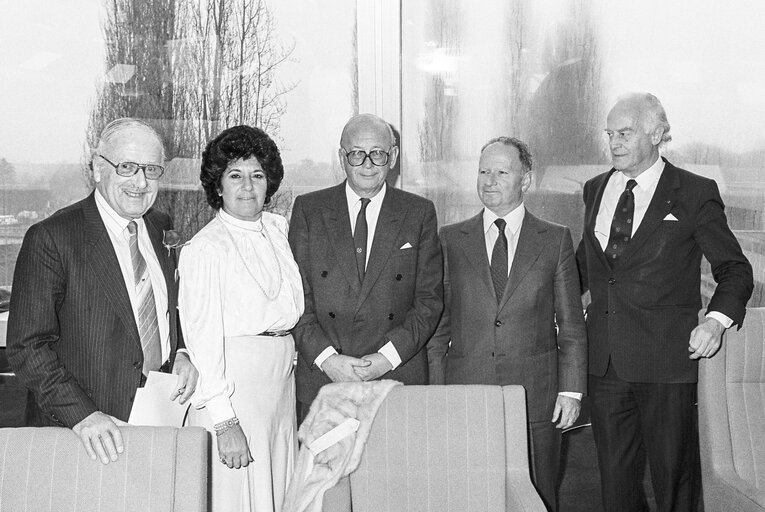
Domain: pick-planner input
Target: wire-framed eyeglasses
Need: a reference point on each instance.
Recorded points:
(128, 169)
(378, 157)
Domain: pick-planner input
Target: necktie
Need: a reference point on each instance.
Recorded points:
(360, 238)
(148, 326)
(621, 225)
(499, 260)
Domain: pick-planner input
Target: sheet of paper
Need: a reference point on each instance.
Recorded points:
(152, 405)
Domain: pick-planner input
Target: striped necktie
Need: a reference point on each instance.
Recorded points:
(148, 325)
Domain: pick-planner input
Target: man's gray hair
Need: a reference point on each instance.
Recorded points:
(652, 113)
(368, 118)
(524, 154)
(126, 123)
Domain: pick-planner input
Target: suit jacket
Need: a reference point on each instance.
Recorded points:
(644, 309)
(515, 341)
(400, 300)
(72, 336)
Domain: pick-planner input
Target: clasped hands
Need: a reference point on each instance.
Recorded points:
(342, 368)
(99, 432)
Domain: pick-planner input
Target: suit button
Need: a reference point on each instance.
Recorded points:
(498, 323)
(331, 314)
(390, 316)
(398, 277)
(492, 354)
(136, 365)
(339, 351)
(606, 311)
(324, 273)
(611, 281)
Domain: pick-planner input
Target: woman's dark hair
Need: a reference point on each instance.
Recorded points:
(235, 143)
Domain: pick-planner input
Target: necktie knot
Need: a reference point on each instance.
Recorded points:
(132, 228)
(500, 223)
(630, 185)
(364, 203)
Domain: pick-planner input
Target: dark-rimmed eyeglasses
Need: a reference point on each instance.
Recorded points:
(128, 169)
(378, 157)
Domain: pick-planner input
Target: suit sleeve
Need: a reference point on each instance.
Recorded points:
(39, 289)
(581, 252)
(427, 304)
(438, 346)
(310, 338)
(731, 269)
(572, 336)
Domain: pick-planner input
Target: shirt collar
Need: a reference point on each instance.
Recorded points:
(514, 219)
(249, 225)
(353, 198)
(647, 179)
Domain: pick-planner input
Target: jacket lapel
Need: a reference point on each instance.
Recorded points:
(106, 268)
(592, 218)
(473, 244)
(392, 212)
(528, 248)
(338, 224)
(661, 204)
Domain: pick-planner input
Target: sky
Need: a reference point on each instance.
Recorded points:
(703, 58)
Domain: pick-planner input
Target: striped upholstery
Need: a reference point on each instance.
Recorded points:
(162, 469)
(732, 419)
(447, 448)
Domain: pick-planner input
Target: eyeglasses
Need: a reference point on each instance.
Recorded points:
(128, 169)
(358, 157)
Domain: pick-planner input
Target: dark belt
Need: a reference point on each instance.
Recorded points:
(276, 334)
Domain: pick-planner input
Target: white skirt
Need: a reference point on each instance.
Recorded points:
(261, 369)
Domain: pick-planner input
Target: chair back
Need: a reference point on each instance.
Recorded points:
(162, 469)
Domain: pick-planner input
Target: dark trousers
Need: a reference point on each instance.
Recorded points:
(544, 447)
(629, 417)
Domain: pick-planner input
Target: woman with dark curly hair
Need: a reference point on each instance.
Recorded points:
(240, 294)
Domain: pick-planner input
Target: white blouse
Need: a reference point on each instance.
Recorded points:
(226, 272)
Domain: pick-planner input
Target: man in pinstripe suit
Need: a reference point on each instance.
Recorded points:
(93, 306)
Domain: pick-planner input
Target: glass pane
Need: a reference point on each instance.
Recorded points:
(548, 71)
(190, 69)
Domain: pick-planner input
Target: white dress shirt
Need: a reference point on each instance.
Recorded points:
(643, 192)
(219, 299)
(372, 214)
(116, 226)
(514, 221)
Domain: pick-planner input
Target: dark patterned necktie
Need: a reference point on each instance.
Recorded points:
(148, 325)
(499, 260)
(621, 225)
(360, 239)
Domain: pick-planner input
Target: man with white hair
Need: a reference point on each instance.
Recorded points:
(647, 223)
(93, 307)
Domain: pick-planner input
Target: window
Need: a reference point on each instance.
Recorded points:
(449, 74)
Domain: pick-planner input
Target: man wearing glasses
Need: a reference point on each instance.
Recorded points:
(93, 307)
(370, 260)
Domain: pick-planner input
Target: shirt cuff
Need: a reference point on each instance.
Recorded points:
(329, 351)
(220, 409)
(571, 394)
(723, 319)
(391, 354)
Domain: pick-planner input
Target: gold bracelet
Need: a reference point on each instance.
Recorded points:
(225, 426)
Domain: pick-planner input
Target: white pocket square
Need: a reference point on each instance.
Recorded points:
(670, 217)
(405, 246)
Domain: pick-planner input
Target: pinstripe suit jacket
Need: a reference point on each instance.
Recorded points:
(72, 336)
(400, 300)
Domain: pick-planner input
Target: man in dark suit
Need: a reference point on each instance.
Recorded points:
(647, 224)
(372, 272)
(93, 307)
(512, 313)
